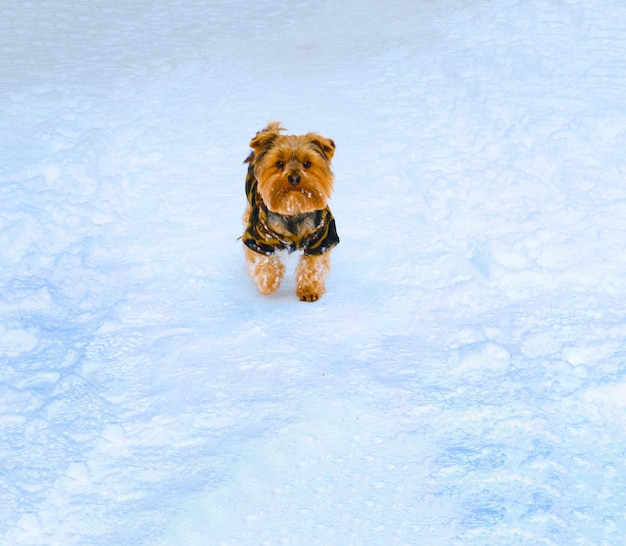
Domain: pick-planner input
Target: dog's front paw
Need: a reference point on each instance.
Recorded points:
(309, 296)
(268, 278)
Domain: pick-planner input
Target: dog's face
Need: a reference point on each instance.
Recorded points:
(293, 172)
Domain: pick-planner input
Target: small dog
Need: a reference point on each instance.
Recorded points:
(288, 184)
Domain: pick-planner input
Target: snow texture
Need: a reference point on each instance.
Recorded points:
(463, 381)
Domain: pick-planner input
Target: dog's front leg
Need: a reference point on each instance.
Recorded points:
(310, 276)
(266, 271)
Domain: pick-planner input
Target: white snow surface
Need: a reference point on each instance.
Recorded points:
(463, 381)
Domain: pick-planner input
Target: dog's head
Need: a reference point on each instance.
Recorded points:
(293, 172)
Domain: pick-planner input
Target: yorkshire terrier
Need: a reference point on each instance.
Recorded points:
(288, 185)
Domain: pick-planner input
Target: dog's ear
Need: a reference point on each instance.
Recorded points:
(264, 139)
(325, 145)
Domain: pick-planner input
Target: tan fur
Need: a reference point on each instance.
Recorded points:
(266, 271)
(310, 275)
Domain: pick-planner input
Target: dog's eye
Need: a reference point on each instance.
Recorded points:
(307, 164)
(280, 164)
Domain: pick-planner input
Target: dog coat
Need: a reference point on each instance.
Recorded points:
(314, 232)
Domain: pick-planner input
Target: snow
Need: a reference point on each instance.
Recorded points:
(463, 381)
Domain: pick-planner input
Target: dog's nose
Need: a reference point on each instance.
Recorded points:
(294, 179)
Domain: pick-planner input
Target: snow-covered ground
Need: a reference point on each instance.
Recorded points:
(463, 382)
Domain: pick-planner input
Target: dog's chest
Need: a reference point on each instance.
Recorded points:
(292, 228)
